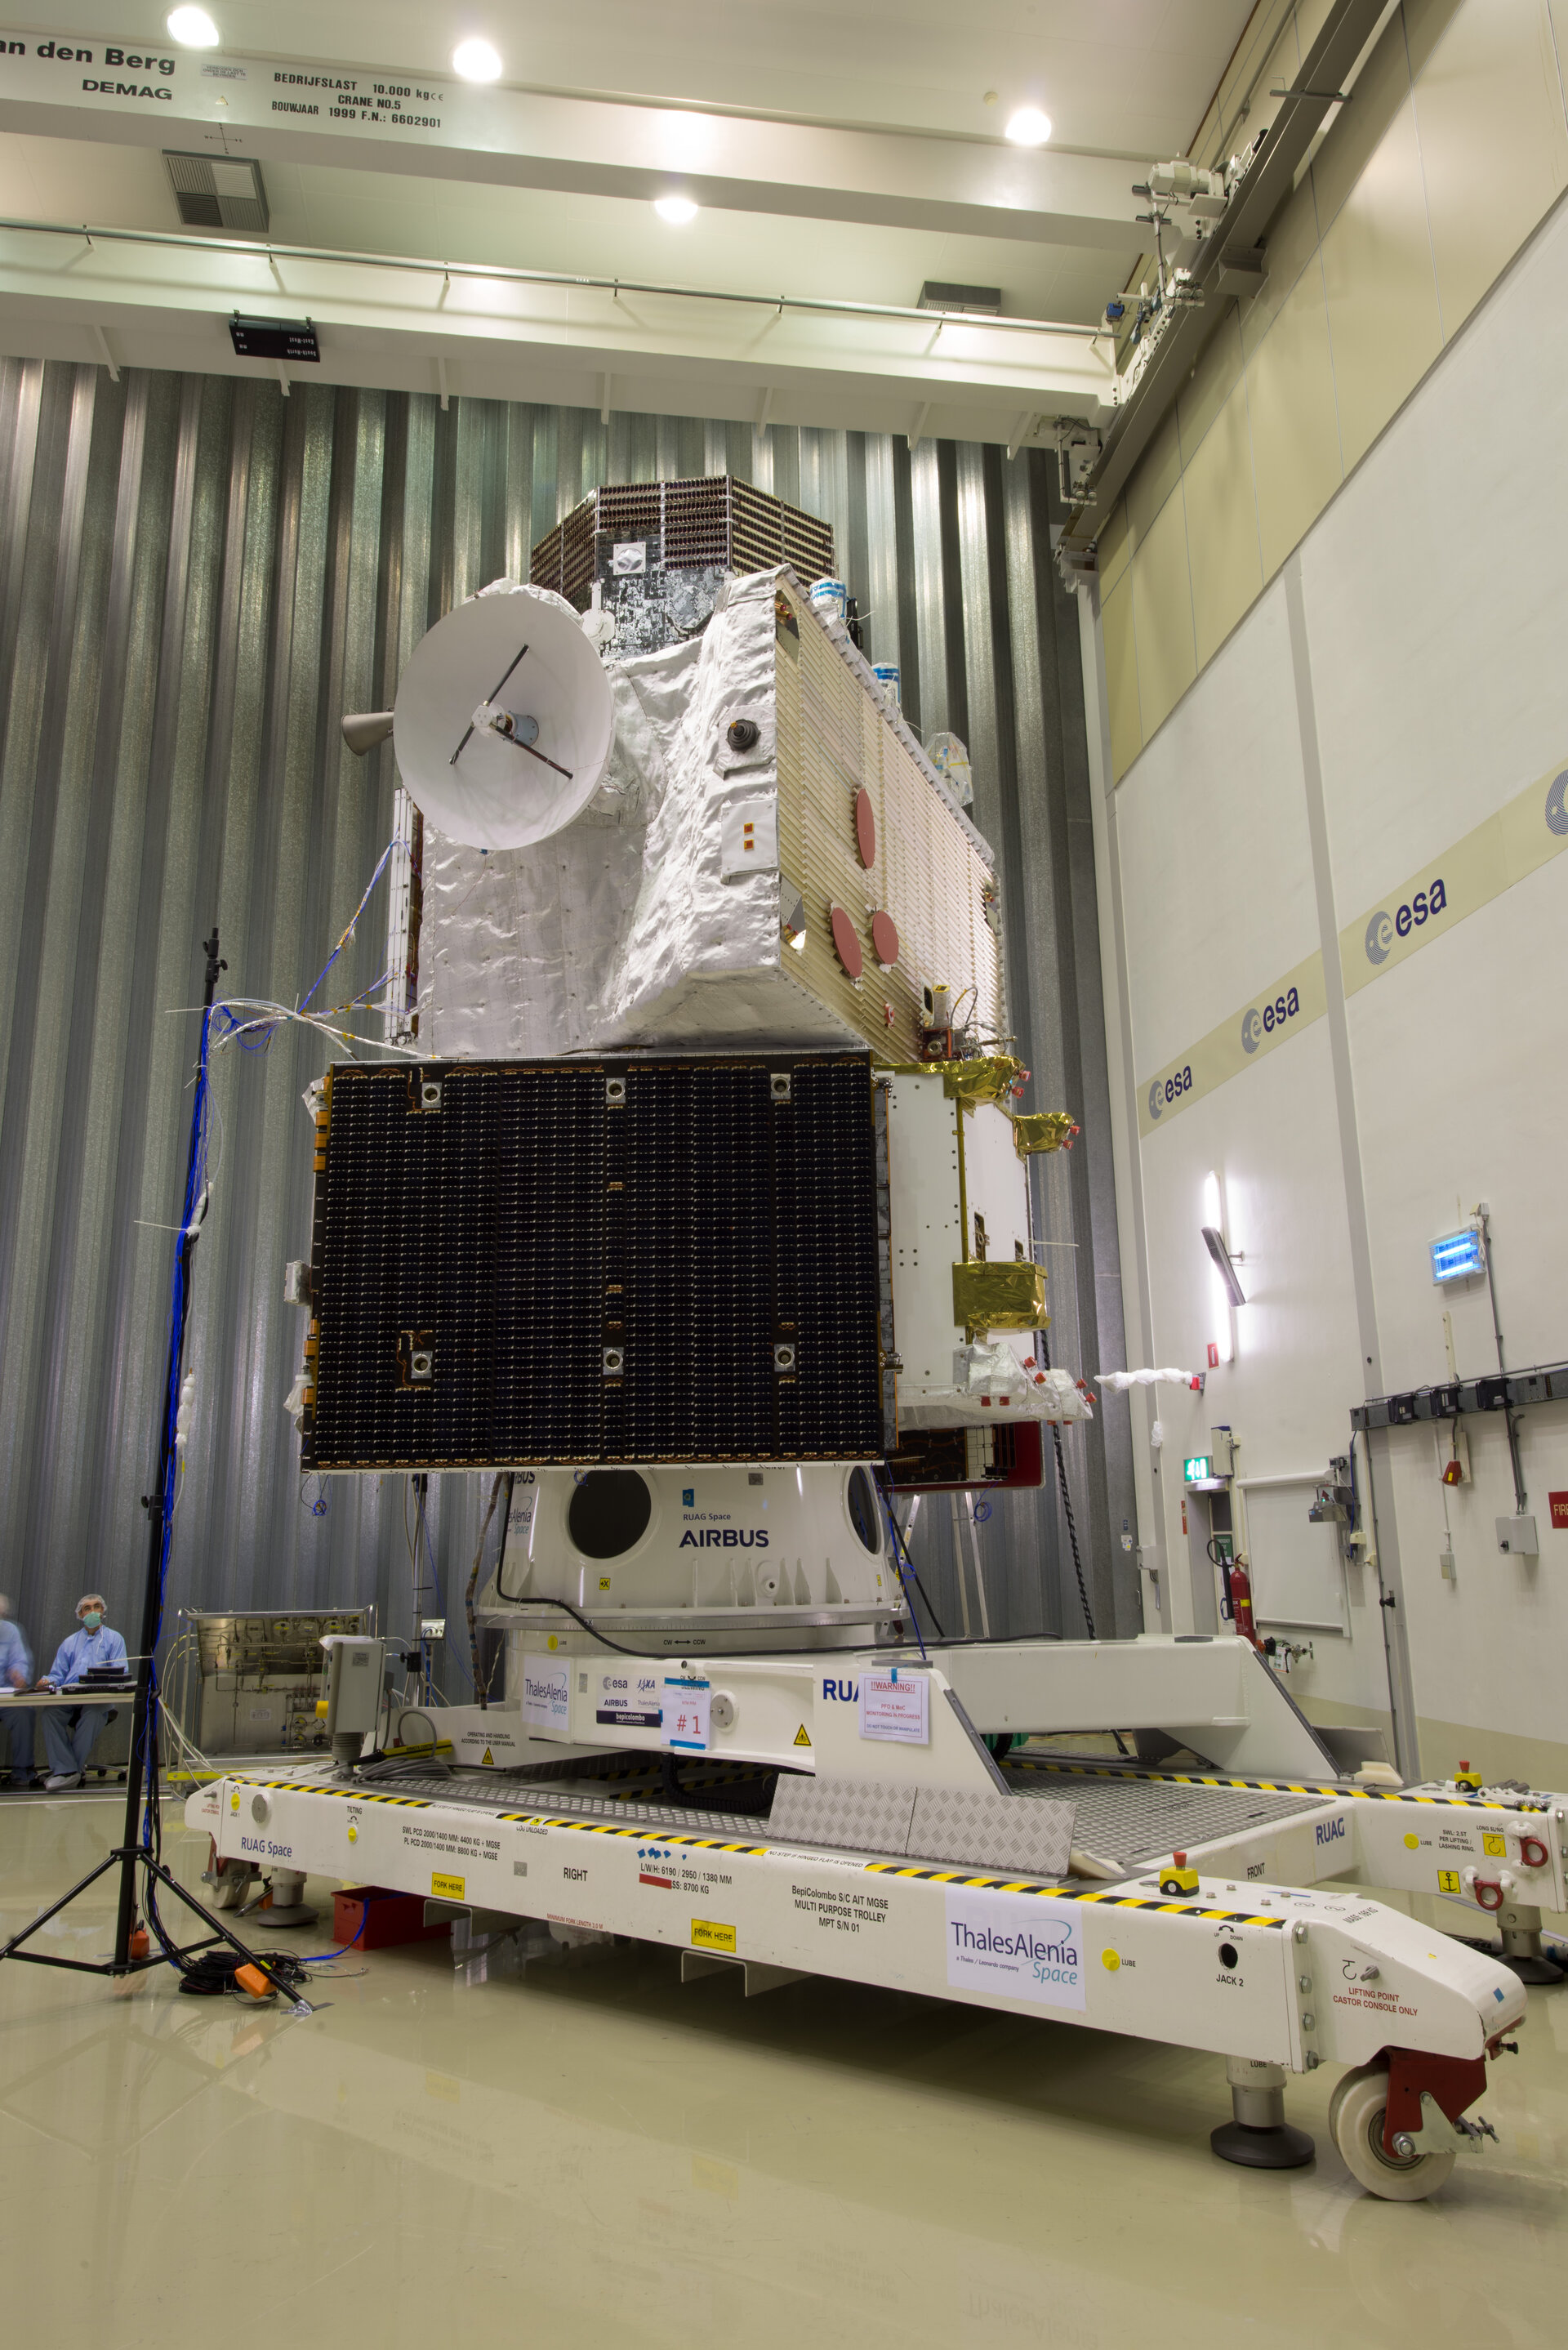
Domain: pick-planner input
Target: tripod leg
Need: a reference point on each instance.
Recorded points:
(156, 1869)
(64, 1902)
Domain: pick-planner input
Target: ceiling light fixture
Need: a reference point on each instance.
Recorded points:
(476, 60)
(679, 210)
(1029, 127)
(192, 27)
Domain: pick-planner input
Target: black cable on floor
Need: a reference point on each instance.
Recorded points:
(212, 1972)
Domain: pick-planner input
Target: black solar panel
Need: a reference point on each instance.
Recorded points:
(536, 1262)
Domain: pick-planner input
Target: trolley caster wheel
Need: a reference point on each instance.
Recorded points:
(1355, 2117)
(230, 1880)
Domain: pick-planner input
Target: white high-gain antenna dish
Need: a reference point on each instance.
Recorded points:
(503, 720)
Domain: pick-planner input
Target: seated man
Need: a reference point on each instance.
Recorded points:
(15, 1673)
(70, 1731)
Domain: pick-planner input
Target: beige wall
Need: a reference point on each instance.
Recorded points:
(1451, 150)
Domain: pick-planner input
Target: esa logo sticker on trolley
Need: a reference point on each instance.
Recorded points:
(1015, 1946)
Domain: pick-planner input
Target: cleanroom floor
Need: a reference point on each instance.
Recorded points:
(589, 2153)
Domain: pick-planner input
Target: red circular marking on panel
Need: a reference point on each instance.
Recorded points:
(865, 829)
(845, 943)
(885, 938)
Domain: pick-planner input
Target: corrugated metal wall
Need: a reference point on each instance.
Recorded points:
(197, 577)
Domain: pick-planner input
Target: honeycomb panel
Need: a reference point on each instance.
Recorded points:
(708, 520)
(928, 873)
(525, 1230)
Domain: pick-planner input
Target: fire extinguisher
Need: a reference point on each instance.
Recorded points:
(1239, 1597)
(1239, 1587)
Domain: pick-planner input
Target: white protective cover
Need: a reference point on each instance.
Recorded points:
(690, 925)
(614, 930)
(518, 945)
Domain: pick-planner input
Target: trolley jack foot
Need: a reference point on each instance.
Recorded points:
(1258, 2135)
(1524, 1953)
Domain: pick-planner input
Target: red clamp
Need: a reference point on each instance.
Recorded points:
(1451, 2082)
(1488, 1892)
(1532, 1853)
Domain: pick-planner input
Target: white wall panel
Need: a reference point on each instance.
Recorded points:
(1459, 1055)
(1435, 597)
(1216, 868)
(1270, 1136)
(1436, 593)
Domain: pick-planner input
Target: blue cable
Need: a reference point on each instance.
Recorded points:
(349, 932)
(196, 1181)
(321, 1957)
(900, 1556)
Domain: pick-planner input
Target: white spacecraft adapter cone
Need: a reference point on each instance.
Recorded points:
(503, 720)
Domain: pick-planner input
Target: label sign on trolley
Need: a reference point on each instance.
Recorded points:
(630, 1700)
(893, 1704)
(546, 1692)
(686, 1704)
(1015, 1946)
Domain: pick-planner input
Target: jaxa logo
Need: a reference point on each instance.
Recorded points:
(1383, 928)
(722, 1538)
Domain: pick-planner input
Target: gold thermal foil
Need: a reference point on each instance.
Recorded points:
(1044, 1130)
(1009, 1294)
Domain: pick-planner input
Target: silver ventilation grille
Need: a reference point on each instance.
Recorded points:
(218, 191)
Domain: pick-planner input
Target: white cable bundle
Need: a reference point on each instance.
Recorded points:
(182, 1416)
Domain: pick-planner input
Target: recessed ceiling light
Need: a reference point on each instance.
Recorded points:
(475, 60)
(193, 27)
(677, 209)
(1029, 127)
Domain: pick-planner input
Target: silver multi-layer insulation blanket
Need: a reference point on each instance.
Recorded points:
(585, 939)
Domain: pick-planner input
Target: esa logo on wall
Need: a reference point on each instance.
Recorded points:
(1384, 927)
(1167, 1089)
(1257, 1024)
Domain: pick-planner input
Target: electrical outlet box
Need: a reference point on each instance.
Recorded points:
(432, 1627)
(355, 1664)
(1517, 1536)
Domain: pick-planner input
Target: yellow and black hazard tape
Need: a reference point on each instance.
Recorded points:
(1070, 1893)
(1263, 1786)
(355, 1795)
(643, 1835)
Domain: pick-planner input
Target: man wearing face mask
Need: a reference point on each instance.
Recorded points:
(70, 1731)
